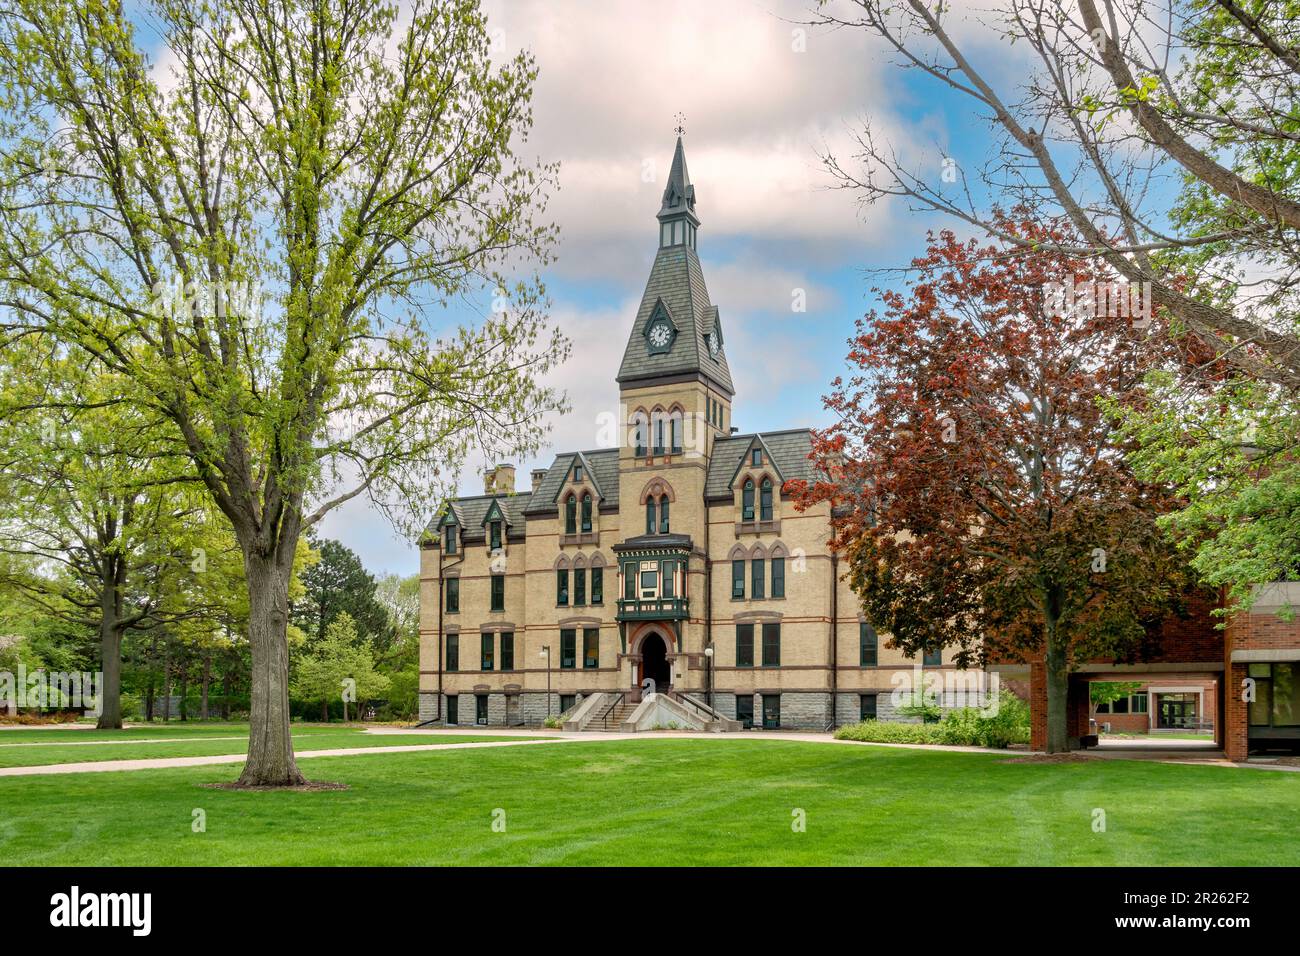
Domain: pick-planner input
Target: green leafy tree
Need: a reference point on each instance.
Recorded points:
(110, 529)
(339, 665)
(250, 239)
(338, 583)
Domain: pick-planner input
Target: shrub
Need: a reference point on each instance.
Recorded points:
(889, 732)
(553, 722)
(969, 726)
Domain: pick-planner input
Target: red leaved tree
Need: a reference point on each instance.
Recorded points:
(982, 499)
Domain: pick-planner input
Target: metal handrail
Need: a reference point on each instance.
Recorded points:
(702, 708)
(604, 718)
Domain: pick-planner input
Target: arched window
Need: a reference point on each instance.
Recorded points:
(586, 513)
(765, 501)
(649, 516)
(747, 501)
(659, 434)
(663, 515)
(571, 515)
(675, 433)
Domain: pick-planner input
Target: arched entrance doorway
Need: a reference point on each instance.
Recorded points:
(654, 662)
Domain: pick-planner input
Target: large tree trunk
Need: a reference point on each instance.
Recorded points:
(270, 747)
(185, 684)
(207, 680)
(110, 650)
(167, 680)
(1058, 683)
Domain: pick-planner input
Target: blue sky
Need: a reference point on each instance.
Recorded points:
(761, 101)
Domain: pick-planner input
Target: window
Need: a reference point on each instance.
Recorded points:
(453, 709)
(453, 595)
(495, 528)
(568, 649)
(498, 592)
(669, 571)
(778, 577)
(744, 645)
(507, 650)
(663, 515)
(737, 579)
(649, 580)
(756, 457)
(1140, 703)
(597, 585)
(577, 473)
(868, 645)
(772, 645)
(486, 644)
(650, 516)
(757, 572)
(771, 711)
(933, 658)
(867, 707)
(675, 434)
(590, 647)
(586, 514)
(745, 710)
(659, 436)
(747, 502)
(639, 436)
(629, 582)
(453, 652)
(480, 708)
(562, 587)
(567, 701)
(450, 539)
(579, 586)
(571, 515)
(765, 501)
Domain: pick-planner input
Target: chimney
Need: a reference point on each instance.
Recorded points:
(538, 475)
(500, 480)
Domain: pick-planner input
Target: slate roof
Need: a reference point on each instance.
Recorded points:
(471, 511)
(788, 451)
(603, 466)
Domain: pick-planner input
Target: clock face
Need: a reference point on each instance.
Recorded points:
(714, 345)
(660, 335)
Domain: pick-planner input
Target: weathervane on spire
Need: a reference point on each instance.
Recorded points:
(680, 128)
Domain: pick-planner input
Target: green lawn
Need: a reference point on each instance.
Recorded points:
(663, 801)
(31, 748)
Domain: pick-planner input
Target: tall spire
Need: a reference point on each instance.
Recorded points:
(679, 194)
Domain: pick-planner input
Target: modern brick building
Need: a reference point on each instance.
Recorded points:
(677, 557)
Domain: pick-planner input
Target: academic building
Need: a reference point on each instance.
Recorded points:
(677, 558)
(670, 582)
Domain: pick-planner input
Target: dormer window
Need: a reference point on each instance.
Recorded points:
(571, 515)
(756, 457)
(765, 501)
(577, 474)
(586, 514)
(449, 539)
(494, 535)
(747, 501)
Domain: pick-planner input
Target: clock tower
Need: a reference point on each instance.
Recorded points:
(674, 381)
(675, 390)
